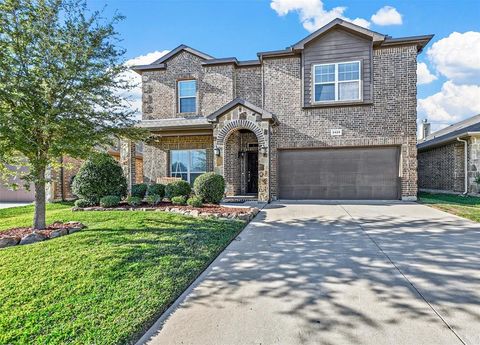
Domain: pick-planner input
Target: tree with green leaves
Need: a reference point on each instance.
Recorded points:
(62, 86)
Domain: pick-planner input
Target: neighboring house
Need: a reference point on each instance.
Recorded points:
(62, 178)
(449, 159)
(331, 117)
(7, 194)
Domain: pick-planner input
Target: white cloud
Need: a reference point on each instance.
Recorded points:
(135, 95)
(387, 15)
(424, 76)
(457, 57)
(452, 104)
(312, 13)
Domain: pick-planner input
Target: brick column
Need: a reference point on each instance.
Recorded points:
(127, 161)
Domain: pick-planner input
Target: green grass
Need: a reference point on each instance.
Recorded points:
(463, 206)
(105, 284)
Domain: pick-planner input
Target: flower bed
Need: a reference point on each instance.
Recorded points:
(16, 236)
(207, 210)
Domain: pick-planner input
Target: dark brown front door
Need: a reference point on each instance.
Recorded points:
(252, 172)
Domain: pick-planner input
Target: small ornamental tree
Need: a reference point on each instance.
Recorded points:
(99, 176)
(62, 86)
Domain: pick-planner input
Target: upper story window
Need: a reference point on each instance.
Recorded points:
(337, 82)
(187, 96)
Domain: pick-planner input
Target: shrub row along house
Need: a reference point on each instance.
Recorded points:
(331, 117)
(449, 159)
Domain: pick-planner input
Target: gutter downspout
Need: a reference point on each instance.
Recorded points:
(465, 168)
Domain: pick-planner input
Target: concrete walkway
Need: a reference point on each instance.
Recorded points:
(352, 273)
(13, 204)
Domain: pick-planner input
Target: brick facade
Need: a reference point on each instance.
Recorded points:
(442, 168)
(276, 86)
(157, 153)
(390, 120)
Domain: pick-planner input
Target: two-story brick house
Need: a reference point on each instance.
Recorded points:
(331, 117)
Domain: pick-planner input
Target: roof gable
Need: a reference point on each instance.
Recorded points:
(160, 63)
(179, 49)
(240, 101)
(340, 23)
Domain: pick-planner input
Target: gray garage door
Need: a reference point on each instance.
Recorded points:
(340, 173)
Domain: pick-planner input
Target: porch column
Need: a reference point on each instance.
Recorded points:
(127, 161)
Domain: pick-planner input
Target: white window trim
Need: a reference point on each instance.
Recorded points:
(180, 97)
(188, 172)
(336, 82)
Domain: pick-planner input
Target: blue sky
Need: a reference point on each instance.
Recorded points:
(450, 73)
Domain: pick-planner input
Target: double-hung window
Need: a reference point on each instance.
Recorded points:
(187, 96)
(188, 164)
(337, 82)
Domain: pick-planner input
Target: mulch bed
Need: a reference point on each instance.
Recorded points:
(206, 208)
(22, 232)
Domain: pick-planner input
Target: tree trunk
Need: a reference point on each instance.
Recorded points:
(39, 214)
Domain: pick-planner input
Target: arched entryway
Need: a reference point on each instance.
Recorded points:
(241, 135)
(241, 162)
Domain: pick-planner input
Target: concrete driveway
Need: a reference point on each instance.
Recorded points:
(351, 273)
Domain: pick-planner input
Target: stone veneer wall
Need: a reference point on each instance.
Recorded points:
(442, 168)
(156, 157)
(473, 164)
(391, 120)
(242, 118)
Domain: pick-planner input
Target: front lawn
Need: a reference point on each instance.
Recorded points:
(463, 206)
(105, 284)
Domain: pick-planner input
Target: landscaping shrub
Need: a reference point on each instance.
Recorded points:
(134, 201)
(195, 201)
(83, 203)
(139, 190)
(156, 189)
(153, 199)
(210, 187)
(110, 201)
(178, 188)
(179, 200)
(100, 175)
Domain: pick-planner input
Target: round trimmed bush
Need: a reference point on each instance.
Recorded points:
(195, 201)
(100, 175)
(134, 201)
(139, 190)
(179, 200)
(178, 188)
(110, 201)
(156, 189)
(84, 203)
(153, 199)
(210, 187)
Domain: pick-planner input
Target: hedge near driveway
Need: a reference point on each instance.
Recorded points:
(105, 284)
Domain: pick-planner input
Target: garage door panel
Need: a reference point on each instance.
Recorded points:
(345, 173)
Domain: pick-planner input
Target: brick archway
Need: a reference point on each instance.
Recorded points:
(235, 119)
(234, 125)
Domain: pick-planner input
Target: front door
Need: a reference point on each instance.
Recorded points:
(252, 172)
